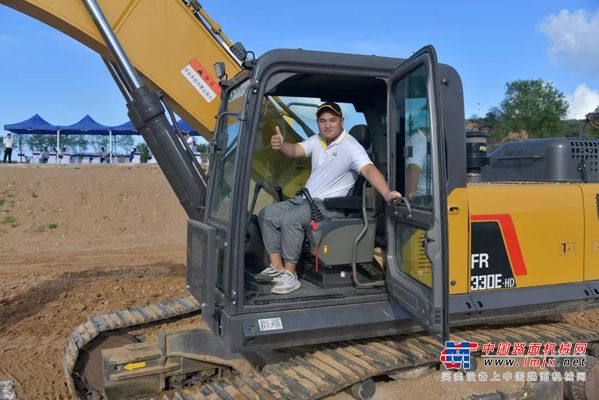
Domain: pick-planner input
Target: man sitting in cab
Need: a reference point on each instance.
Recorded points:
(337, 159)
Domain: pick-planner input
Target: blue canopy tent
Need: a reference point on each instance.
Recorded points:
(35, 125)
(88, 126)
(124, 129)
(186, 128)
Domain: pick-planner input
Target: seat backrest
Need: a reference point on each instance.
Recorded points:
(362, 134)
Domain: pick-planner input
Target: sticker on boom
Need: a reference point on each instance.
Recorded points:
(270, 324)
(201, 80)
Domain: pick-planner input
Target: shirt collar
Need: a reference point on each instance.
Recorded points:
(339, 139)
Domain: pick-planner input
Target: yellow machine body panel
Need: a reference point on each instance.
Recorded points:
(590, 193)
(458, 236)
(524, 235)
(414, 261)
(169, 47)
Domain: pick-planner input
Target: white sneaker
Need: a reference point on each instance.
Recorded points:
(268, 274)
(287, 282)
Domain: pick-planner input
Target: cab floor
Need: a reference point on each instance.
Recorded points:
(258, 293)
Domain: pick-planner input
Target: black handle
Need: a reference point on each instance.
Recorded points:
(280, 193)
(315, 212)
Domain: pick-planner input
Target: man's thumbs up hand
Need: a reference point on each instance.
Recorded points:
(276, 141)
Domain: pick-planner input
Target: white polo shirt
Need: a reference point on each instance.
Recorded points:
(419, 143)
(8, 142)
(335, 167)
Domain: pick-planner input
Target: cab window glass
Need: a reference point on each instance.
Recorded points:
(296, 118)
(228, 139)
(414, 134)
(414, 174)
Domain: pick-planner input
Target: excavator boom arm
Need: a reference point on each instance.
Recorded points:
(170, 43)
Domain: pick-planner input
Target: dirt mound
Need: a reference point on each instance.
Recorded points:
(50, 209)
(77, 241)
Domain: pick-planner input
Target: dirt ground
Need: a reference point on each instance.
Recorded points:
(78, 240)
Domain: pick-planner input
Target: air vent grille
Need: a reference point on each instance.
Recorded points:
(587, 149)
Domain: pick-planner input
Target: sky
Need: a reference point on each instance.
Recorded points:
(489, 43)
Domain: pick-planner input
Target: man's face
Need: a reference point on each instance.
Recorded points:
(330, 125)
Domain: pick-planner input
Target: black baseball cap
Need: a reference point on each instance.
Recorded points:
(329, 106)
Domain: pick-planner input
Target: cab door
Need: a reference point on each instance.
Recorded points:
(417, 276)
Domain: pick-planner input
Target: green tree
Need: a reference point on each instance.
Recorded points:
(203, 149)
(39, 142)
(124, 143)
(493, 116)
(535, 106)
(75, 144)
(99, 141)
(144, 152)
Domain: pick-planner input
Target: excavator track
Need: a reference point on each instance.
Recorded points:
(120, 319)
(326, 370)
(338, 366)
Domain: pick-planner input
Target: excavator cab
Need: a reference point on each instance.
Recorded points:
(352, 292)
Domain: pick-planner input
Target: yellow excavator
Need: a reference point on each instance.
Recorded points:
(479, 239)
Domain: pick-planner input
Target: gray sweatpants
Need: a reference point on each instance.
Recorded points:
(284, 224)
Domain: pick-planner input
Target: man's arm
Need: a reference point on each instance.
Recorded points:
(377, 180)
(291, 150)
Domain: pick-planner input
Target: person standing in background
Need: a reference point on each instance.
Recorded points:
(103, 156)
(8, 143)
(45, 155)
(132, 155)
(190, 142)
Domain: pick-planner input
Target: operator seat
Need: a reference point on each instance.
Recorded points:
(352, 203)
